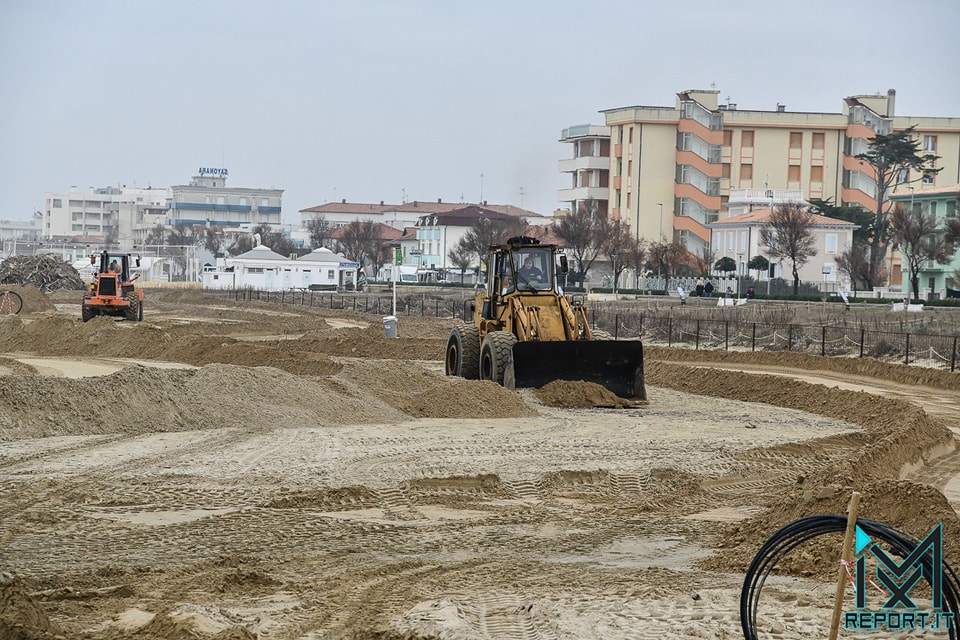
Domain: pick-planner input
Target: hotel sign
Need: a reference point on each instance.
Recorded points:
(206, 171)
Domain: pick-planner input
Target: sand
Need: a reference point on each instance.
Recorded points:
(227, 470)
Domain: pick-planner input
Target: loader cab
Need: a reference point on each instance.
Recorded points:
(522, 269)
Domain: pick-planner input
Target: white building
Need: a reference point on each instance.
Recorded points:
(125, 215)
(207, 200)
(264, 269)
(738, 237)
(100, 215)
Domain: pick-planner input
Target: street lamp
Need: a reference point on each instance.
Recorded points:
(614, 258)
(660, 260)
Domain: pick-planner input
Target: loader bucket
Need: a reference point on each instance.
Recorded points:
(616, 365)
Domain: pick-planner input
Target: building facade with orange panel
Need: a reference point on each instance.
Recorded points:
(671, 169)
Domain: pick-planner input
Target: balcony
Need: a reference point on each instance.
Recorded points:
(583, 193)
(585, 131)
(572, 165)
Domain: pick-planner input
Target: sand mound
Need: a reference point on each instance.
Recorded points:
(910, 507)
(34, 300)
(458, 398)
(569, 394)
(20, 616)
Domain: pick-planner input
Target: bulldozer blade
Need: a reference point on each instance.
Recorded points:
(616, 365)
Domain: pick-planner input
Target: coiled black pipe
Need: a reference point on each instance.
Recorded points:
(803, 529)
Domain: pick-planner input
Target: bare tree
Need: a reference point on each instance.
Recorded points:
(703, 260)
(668, 257)
(319, 229)
(488, 231)
(460, 257)
(616, 244)
(361, 241)
(157, 235)
(916, 231)
(582, 232)
(891, 156)
(789, 237)
(213, 240)
(854, 261)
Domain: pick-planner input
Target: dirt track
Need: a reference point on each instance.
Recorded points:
(292, 473)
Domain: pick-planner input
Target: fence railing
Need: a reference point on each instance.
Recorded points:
(929, 346)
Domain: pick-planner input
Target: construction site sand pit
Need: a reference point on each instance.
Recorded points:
(289, 472)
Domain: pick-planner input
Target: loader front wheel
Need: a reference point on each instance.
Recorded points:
(495, 354)
(87, 313)
(133, 307)
(463, 352)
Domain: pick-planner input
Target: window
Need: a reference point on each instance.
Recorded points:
(221, 200)
(933, 209)
(746, 139)
(728, 138)
(725, 170)
(330, 274)
(254, 270)
(264, 202)
(816, 174)
(631, 135)
(793, 173)
(743, 241)
(830, 243)
(927, 179)
(730, 235)
(243, 200)
(951, 209)
(57, 203)
(818, 139)
(796, 139)
(903, 176)
(930, 144)
(746, 172)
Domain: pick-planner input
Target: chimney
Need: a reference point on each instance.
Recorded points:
(439, 201)
(781, 108)
(381, 203)
(344, 201)
(891, 99)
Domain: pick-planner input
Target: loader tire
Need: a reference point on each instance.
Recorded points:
(87, 313)
(133, 307)
(463, 352)
(140, 311)
(495, 354)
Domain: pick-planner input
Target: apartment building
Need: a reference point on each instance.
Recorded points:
(943, 203)
(98, 215)
(125, 215)
(207, 200)
(672, 169)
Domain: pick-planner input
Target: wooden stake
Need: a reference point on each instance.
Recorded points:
(847, 556)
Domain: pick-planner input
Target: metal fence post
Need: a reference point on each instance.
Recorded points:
(670, 331)
(953, 356)
(906, 352)
(698, 335)
(616, 326)
(823, 340)
(790, 337)
(753, 338)
(726, 335)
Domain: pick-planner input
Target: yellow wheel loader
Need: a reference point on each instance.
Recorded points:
(522, 331)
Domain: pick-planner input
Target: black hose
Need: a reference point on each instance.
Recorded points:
(803, 529)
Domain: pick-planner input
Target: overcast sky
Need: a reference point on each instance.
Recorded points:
(385, 100)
